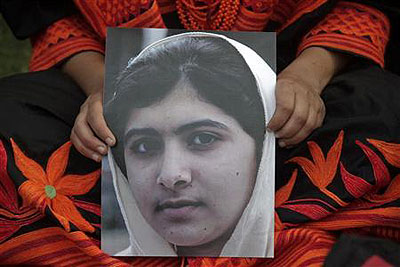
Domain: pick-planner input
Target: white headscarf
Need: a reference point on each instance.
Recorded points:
(253, 235)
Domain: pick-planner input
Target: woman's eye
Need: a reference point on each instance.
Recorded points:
(202, 140)
(146, 146)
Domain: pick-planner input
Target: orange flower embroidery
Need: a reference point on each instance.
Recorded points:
(355, 185)
(392, 193)
(390, 151)
(321, 171)
(51, 188)
(283, 193)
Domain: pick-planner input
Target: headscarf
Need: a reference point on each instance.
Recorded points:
(253, 234)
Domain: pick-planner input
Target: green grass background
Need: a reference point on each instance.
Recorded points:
(14, 53)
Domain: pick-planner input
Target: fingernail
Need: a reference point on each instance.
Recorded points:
(101, 149)
(96, 157)
(282, 144)
(277, 135)
(109, 141)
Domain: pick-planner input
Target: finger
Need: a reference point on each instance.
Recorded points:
(83, 149)
(297, 119)
(310, 125)
(285, 102)
(321, 114)
(98, 124)
(85, 134)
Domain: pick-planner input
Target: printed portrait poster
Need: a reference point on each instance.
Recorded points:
(192, 173)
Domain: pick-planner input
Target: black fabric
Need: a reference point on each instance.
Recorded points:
(171, 20)
(364, 102)
(392, 10)
(28, 17)
(354, 250)
(38, 110)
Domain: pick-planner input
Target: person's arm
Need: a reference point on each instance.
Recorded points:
(83, 60)
(356, 32)
(76, 43)
(87, 70)
(353, 28)
(90, 134)
(299, 107)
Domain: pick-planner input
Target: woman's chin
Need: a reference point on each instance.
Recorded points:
(186, 237)
(194, 244)
(197, 241)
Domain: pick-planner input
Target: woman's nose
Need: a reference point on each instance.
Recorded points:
(174, 173)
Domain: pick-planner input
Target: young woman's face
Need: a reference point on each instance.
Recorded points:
(191, 167)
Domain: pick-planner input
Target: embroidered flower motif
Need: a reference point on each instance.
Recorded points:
(51, 188)
(8, 194)
(390, 151)
(12, 216)
(321, 170)
(392, 193)
(355, 185)
(283, 193)
(381, 172)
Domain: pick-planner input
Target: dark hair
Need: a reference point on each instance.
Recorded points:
(212, 66)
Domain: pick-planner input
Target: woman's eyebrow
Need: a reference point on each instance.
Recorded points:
(140, 131)
(201, 123)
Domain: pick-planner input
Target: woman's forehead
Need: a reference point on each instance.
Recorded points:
(181, 106)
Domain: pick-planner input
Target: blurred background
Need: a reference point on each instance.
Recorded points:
(14, 54)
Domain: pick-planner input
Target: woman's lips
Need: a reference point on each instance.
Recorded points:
(179, 209)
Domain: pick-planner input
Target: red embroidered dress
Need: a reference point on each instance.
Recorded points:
(337, 182)
(350, 27)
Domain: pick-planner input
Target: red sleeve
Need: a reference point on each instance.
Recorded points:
(62, 39)
(101, 14)
(353, 28)
(87, 30)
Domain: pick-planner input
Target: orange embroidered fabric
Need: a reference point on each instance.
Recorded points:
(118, 12)
(288, 11)
(248, 20)
(87, 31)
(12, 216)
(61, 40)
(211, 15)
(321, 171)
(52, 189)
(352, 27)
(101, 14)
(367, 205)
(370, 210)
(54, 247)
(166, 6)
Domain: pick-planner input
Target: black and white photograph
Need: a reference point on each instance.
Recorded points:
(192, 173)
